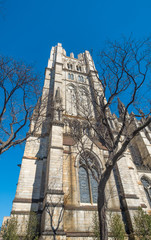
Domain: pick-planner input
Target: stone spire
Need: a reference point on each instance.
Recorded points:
(121, 108)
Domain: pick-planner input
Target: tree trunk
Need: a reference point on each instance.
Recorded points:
(54, 235)
(102, 212)
(102, 203)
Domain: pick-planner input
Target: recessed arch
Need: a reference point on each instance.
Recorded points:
(89, 170)
(146, 181)
(71, 99)
(84, 105)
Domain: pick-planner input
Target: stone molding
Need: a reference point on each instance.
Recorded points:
(33, 158)
(25, 212)
(132, 196)
(89, 208)
(27, 200)
(50, 232)
(80, 234)
(55, 205)
(61, 148)
(81, 208)
(57, 123)
(55, 192)
(20, 212)
(132, 208)
(74, 71)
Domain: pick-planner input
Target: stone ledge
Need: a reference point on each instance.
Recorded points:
(27, 200)
(33, 158)
(80, 234)
(132, 196)
(55, 147)
(38, 135)
(133, 207)
(81, 208)
(58, 123)
(20, 212)
(25, 212)
(55, 192)
(88, 208)
(74, 71)
(50, 232)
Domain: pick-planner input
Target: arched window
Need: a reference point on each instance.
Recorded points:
(72, 77)
(69, 66)
(69, 76)
(81, 79)
(84, 106)
(147, 187)
(88, 175)
(71, 104)
(79, 68)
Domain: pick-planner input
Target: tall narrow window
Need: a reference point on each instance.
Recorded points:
(69, 66)
(69, 76)
(79, 68)
(71, 107)
(84, 186)
(87, 182)
(94, 188)
(81, 79)
(72, 77)
(84, 106)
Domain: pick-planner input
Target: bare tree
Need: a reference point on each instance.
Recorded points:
(125, 68)
(55, 211)
(18, 97)
(125, 71)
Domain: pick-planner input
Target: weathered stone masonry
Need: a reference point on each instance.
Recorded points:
(50, 165)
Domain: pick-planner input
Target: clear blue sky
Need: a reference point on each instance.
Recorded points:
(28, 30)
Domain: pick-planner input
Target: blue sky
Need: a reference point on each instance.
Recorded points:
(28, 30)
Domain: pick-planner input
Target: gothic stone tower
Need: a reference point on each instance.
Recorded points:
(52, 176)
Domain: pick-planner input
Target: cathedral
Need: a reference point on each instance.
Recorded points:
(54, 182)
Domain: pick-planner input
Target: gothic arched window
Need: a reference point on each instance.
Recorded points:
(69, 76)
(71, 107)
(81, 79)
(69, 66)
(79, 68)
(87, 179)
(84, 108)
(147, 187)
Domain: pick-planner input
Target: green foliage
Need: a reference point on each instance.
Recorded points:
(95, 226)
(117, 227)
(9, 229)
(142, 225)
(32, 227)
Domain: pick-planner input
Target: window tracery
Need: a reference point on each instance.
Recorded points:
(77, 101)
(71, 100)
(69, 65)
(70, 76)
(81, 79)
(84, 108)
(88, 175)
(78, 68)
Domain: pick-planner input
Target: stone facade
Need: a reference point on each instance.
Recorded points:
(50, 174)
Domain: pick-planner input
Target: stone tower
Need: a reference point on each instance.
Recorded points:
(52, 175)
